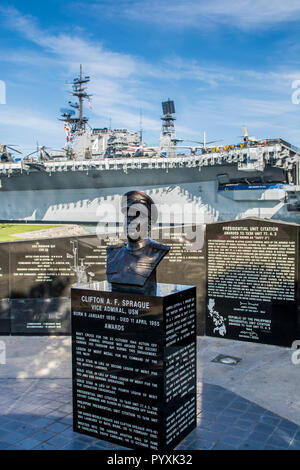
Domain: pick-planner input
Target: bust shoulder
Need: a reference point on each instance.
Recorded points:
(111, 248)
(158, 246)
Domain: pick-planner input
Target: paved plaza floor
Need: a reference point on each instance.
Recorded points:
(252, 405)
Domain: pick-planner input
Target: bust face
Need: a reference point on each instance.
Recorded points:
(137, 222)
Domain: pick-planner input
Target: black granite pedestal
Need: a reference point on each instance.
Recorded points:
(134, 365)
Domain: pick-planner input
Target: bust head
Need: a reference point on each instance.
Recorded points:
(131, 267)
(140, 213)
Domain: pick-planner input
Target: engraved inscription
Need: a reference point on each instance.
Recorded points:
(252, 281)
(132, 385)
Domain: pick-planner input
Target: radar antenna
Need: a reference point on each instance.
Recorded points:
(168, 127)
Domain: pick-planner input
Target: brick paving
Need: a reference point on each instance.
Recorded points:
(37, 414)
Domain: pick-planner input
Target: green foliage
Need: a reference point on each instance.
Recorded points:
(7, 230)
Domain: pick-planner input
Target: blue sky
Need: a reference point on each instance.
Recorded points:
(225, 64)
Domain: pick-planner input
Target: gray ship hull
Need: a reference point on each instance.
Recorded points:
(93, 195)
(37, 180)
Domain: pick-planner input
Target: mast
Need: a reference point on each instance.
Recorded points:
(78, 123)
(168, 140)
(141, 127)
(80, 95)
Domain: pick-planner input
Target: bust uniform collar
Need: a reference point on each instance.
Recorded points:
(137, 245)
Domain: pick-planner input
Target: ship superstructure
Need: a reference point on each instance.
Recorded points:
(252, 178)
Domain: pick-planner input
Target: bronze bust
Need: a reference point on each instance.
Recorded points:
(131, 266)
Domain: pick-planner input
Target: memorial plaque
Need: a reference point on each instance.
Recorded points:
(252, 281)
(92, 255)
(40, 316)
(5, 317)
(185, 262)
(41, 276)
(42, 273)
(41, 268)
(4, 290)
(134, 365)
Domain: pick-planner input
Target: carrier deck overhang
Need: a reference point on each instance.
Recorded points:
(247, 159)
(71, 190)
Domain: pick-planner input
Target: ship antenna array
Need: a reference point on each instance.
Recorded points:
(141, 127)
(77, 123)
(168, 119)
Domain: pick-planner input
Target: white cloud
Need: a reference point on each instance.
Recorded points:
(117, 83)
(24, 126)
(26, 118)
(73, 48)
(209, 97)
(240, 14)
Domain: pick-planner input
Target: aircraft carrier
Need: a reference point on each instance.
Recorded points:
(255, 178)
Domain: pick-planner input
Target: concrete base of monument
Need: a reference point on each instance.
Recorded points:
(266, 374)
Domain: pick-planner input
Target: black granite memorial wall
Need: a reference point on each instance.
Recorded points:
(39, 282)
(253, 281)
(36, 277)
(41, 275)
(134, 365)
(245, 265)
(4, 290)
